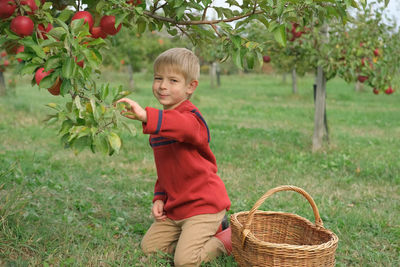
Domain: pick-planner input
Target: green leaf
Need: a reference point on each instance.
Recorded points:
(38, 50)
(63, 25)
(68, 68)
(141, 25)
(93, 105)
(65, 15)
(250, 60)
(130, 127)
(52, 105)
(24, 55)
(57, 32)
(47, 81)
(237, 58)
(280, 35)
(101, 144)
(114, 141)
(65, 86)
(65, 127)
(29, 68)
(236, 40)
(52, 63)
(47, 5)
(76, 26)
(178, 3)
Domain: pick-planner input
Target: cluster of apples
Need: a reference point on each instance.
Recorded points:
(364, 60)
(362, 78)
(22, 25)
(296, 34)
(5, 63)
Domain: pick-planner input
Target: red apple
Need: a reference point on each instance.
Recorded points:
(19, 50)
(363, 61)
(376, 52)
(362, 78)
(122, 62)
(7, 8)
(389, 91)
(294, 26)
(361, 44)
(134, 2)
(84, 15)
(107, 24)
(55, 88)
(80, 63)
(22, 26)
(3, 54)
(6, 63)
(266, 59)
(32, 5)
(40, 74)
(44, 30)
(297, 34)
(376, 91)
(98, 33)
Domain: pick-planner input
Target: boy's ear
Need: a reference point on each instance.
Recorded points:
(192, 86)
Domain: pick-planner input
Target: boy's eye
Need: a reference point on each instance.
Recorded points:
(173, 80)
(157, 78)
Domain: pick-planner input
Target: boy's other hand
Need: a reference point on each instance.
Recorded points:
(133, 110)
(158, 210)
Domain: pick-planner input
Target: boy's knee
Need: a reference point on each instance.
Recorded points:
(181, 259)
(146, 247)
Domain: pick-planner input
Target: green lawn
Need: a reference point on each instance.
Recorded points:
(62, 209)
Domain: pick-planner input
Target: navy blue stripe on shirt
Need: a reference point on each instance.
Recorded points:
(157, 139)
(163, 143)
(159, 193)
(202, 119)
(160, 114)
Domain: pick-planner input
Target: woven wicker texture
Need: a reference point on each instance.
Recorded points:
(267, 238)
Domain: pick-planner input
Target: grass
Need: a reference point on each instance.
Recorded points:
(61, 209)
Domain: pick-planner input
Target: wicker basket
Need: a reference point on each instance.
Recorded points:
(267, 238)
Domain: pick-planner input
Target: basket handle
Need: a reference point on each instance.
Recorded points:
(250, 216)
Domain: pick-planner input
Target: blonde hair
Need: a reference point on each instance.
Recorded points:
(181, 60)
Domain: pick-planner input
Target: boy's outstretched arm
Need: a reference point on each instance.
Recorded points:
(133, 110)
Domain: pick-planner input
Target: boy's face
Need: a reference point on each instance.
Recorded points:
(170, 88)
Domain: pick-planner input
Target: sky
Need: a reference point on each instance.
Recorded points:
(393, 10)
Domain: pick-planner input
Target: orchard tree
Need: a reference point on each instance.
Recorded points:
(62, 40)
(363, 49)
(7, 63)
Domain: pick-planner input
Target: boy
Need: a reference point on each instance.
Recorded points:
(190, 200)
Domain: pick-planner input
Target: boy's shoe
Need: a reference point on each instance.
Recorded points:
(225, 238)
(224, 225)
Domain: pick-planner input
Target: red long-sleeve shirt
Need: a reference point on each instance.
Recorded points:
(186, 167)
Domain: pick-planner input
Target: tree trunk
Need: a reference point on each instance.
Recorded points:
(2, 84)
(320, 127)
(294, 81)
(358, 87)
(131, 80)
(213, 74)
(284, 77)
(218, 72)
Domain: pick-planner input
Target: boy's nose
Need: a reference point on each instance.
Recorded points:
(163, 85)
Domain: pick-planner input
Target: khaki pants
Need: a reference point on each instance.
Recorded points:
(191, 239)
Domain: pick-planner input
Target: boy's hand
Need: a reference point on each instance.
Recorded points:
(133, 110)
(158, 210)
